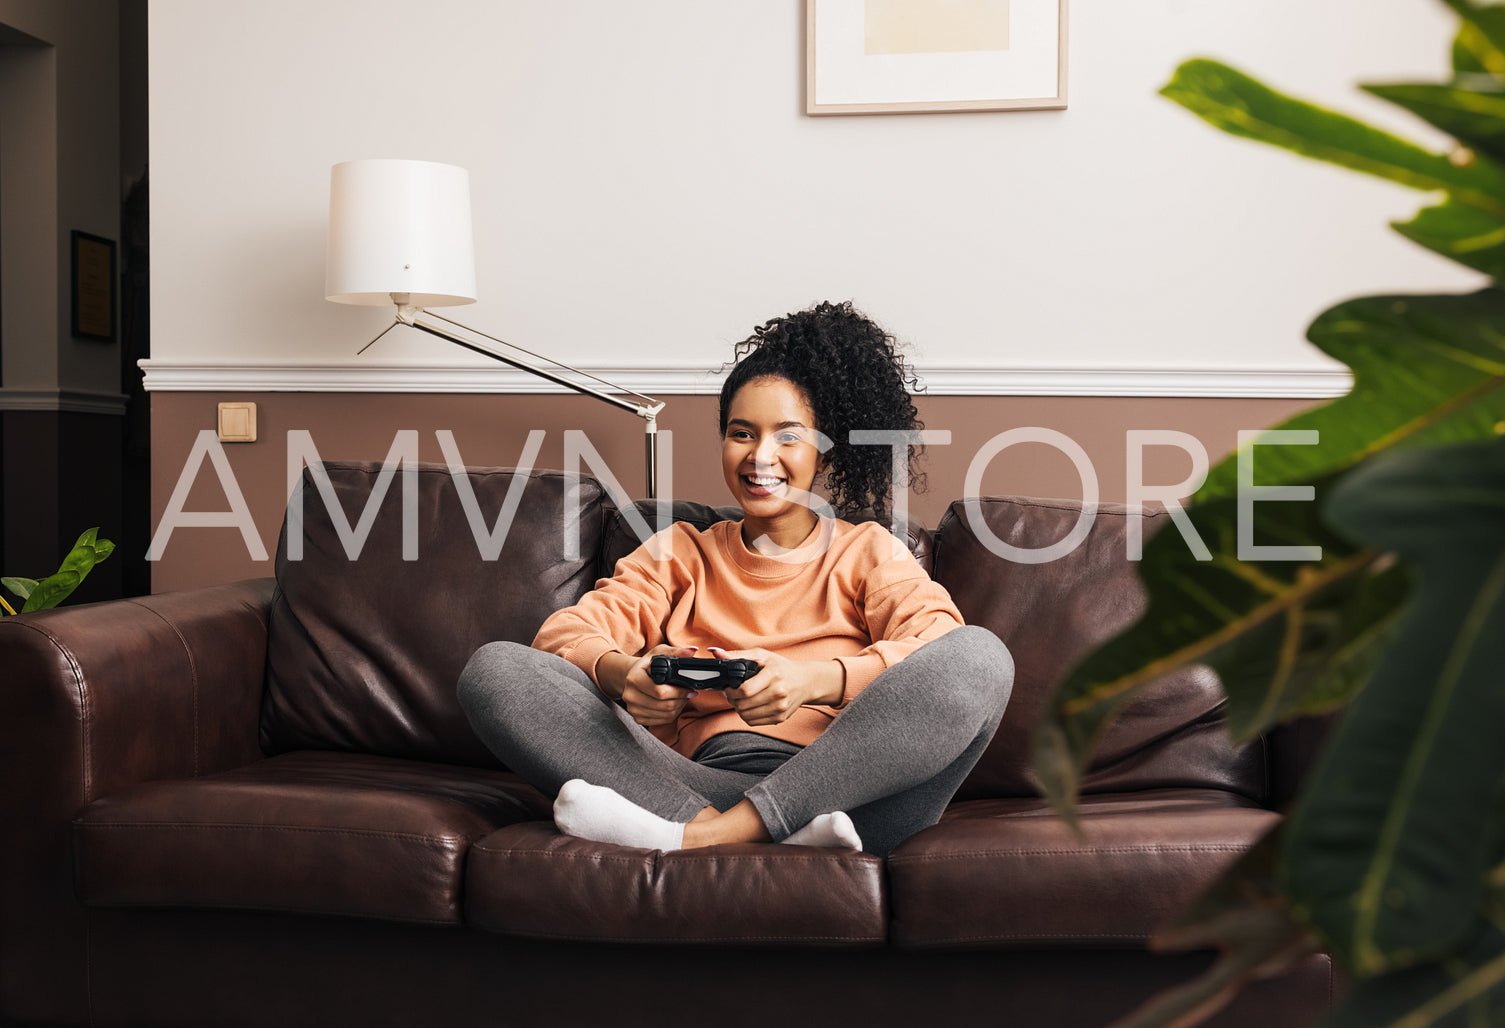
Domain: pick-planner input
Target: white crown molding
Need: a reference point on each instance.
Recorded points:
(64, 401)
(1230, 382)
(370, 377)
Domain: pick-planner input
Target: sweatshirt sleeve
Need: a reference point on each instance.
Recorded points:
(626, 612)
(904, 609)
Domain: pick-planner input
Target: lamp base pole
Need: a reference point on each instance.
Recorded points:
(650, 456)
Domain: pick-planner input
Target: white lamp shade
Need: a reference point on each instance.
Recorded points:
(399, 227)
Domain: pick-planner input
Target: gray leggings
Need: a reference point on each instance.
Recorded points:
(892, 759)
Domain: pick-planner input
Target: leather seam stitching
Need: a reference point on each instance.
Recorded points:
(577, 937)
(603, 858)
(83, 707)
(193, 676)
(1095, 851)
(995, 936)
(440, 840)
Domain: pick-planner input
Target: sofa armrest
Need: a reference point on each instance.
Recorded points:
(95, 698)
(165, 686)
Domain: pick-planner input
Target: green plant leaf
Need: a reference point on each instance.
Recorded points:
(1480, 43)
(1427, 370)
(21, 587)
(82, 557)
(1388, 851)
(1465, 234)
(1494, 883)
(1245, 917)
(1473, 115)
(1316, 656)
(88, 551)
(1313, 626)
(1466, 989)
(1238, 104)
(1474, 54)
(52, 590)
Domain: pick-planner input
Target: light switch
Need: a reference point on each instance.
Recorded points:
(237, 422)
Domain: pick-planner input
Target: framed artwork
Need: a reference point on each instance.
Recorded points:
(93, 293)
(912, 56)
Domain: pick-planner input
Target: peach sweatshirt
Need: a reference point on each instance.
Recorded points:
(851, 593)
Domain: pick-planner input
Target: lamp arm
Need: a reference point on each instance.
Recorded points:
(539, 356)
(648, 412)
(408, 315)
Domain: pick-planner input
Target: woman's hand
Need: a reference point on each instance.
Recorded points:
(626, 678)
(783, 686)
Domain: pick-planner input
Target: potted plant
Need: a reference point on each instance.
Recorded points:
(1393, 856)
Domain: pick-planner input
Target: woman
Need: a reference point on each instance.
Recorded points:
(872, 702)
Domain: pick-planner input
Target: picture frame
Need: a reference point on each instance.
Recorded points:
(92, 297)
(924, 56)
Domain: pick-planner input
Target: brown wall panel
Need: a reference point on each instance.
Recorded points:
(490, 430)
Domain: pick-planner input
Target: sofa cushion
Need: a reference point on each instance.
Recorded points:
(363, 654)
(529, 880)
(1051, 615)
(1010, 871)
(621, 538)
(311, 832)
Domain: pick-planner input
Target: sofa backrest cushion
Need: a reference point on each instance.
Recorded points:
(364, 654)
(622, 536)
(1050, 615)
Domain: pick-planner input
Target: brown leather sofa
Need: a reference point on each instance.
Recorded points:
(259, 804)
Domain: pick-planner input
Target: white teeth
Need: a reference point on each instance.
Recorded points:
(765, 483)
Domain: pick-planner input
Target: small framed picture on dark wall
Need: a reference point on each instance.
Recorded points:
(93, 298)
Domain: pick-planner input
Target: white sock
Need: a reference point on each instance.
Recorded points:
(602, 815)
(833, 829)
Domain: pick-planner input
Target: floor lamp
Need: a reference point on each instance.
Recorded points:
(399, 234)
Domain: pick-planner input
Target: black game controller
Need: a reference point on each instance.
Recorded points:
(701, 672)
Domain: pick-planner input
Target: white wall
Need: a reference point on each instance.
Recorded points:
(646, 187)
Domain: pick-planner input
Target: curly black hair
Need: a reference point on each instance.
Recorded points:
(855, 378)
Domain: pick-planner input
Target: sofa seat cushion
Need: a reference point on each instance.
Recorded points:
(529, 880)
(306, 832)
(1010, 871)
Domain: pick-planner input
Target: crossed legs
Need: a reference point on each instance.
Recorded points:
(891, 760)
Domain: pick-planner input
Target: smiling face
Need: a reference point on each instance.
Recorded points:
(768, 456)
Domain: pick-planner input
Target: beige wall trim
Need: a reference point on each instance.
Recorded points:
(1294, 383)
(66, 401)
